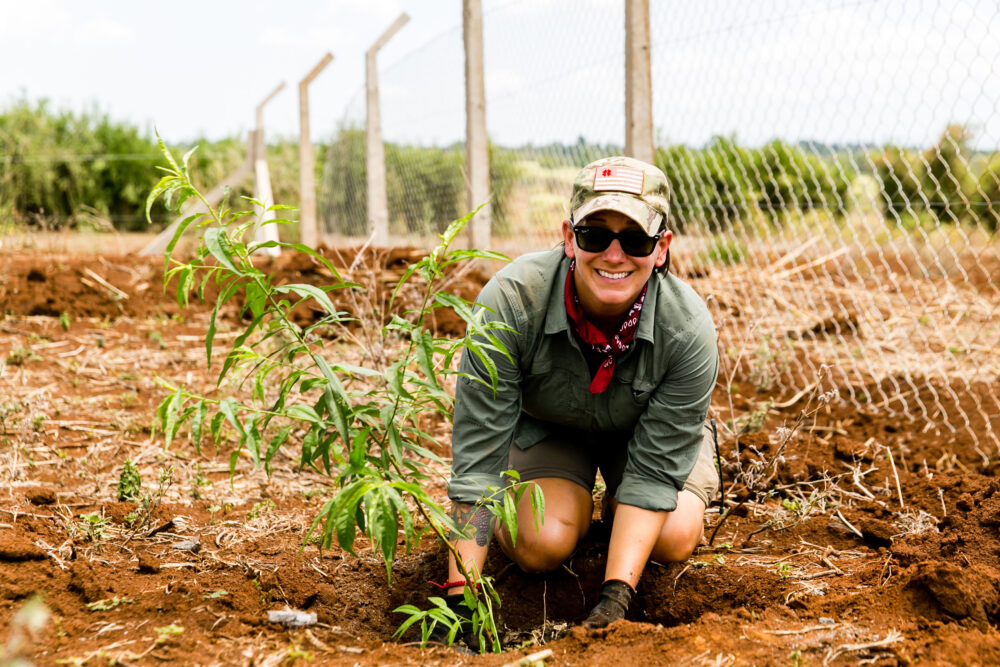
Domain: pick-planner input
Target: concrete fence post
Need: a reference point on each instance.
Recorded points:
(638, 82)
(307, 178)
(262, 181)
(477, 149)
(378, 206)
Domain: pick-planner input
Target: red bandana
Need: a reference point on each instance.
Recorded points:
(595, 338)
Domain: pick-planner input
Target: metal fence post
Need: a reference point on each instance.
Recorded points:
(638, 82)
(307, 179)
(378, 207)
(477, 149)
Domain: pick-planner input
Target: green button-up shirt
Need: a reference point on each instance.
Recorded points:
(660, 392)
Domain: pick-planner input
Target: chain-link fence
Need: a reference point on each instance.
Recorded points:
(834, 169)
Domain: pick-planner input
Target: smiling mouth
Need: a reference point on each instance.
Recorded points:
(613, 276)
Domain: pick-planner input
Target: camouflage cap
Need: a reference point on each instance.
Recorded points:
(623, 184)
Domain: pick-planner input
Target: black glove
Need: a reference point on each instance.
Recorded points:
(615, 598)
(465, 640)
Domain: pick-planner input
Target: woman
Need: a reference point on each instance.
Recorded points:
(614, 362)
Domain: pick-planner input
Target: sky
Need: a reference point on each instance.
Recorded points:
(847, 71)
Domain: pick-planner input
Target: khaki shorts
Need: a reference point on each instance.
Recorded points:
(579, 458)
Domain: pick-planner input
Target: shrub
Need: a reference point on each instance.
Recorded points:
(362, 425)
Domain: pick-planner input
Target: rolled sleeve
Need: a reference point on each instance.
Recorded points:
(485, 419)
(667, 438)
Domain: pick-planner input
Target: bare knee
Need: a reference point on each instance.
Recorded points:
(547, 549)
(677, 545)
(682, 530)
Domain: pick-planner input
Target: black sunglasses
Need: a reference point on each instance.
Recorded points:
(632, 241)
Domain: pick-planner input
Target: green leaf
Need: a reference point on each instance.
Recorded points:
(170, 418)
(309, 291)
(395, 442)
(256, 299)
(161, 187)
(509, 517)
(344, 512)
(537, 504)
(216, 426)
(359, 450)
(219, 245)
(200, 412)
(455, 256)
(335, 399)
(228, 407)
(303, 412)
(178, 233)
(491, 367)
(424, 347)
(225, 294)
(394, 378)
(233, 458)
(184, 283)
(236, 351)
(253, 437)
(309, 443)
(383, 525)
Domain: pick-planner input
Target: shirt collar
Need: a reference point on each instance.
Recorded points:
(556, 319)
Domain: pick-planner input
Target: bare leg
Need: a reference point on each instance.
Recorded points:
(543, 548)
(682, 530)
(680, 534)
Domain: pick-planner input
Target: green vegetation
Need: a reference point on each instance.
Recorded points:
(108, 604)
(359, 424)
(723, 185)
(21, 354)
(149, 502)
(94, 527)
(425, 186)
(129, 482)
(61, 169)
(260, 509)
(947, 183)
(723, 251)
(166, 632)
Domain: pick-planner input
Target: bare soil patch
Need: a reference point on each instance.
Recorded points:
(841, 565)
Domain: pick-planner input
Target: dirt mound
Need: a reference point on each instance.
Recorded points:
(108, 287)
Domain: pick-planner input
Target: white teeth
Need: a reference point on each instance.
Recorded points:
(612, 276)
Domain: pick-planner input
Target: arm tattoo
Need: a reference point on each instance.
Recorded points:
(474, 520)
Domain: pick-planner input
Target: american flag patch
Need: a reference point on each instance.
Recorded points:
(618, 179)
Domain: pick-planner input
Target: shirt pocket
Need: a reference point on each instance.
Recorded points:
(627, 402)
(557, 395)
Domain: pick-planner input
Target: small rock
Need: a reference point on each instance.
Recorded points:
(877, 533)
(292, 618)
(194, 546)
(148, 564)
(826, 620)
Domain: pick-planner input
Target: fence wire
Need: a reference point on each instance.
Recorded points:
(834, 171)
